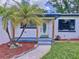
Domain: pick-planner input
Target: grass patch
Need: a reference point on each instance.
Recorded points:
(63, 50)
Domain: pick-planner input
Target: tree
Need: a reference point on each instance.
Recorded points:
(63, 6)
(27, 14)
(9, 16)
(60, 8)
(24, 14)
(67, 6)
(76, 7)
(1, 10)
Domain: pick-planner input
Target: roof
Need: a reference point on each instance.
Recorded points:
(56, 14)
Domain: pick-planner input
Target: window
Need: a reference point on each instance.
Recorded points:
(66, 25)
(44, 28)
(29, 26)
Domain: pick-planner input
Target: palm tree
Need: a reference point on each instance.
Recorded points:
(1, 10)
(9, 16)
(27, 14)
(24, 14)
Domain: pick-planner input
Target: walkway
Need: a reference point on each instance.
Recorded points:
(37, 53)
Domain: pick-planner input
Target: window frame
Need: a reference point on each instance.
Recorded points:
(64, 29)
(29, 26)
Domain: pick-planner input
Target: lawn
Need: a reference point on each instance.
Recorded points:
(63, 50)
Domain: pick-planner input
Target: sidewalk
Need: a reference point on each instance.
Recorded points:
(40, 51)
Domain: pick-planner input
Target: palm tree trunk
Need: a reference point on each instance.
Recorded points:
(13, 32)
(21, 34)
(11, 39)
(7, 30)
(37, 35)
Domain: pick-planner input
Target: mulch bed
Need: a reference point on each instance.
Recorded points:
(7, 53)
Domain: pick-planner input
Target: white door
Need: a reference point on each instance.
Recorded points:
(44, 30)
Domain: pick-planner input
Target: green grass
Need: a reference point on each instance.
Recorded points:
(63, 50)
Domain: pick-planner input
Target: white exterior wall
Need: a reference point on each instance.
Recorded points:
(3, 35)
(32, 32)
(39, 30)
(50, 29)
(27, 32)
(67, 35)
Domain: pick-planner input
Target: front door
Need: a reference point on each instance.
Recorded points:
(44, 30)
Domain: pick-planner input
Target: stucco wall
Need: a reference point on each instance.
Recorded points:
(50, 29)
(28, 33)
(3, 35)
(68, 35)
(32, 32)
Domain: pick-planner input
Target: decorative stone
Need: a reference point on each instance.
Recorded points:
(14, 46)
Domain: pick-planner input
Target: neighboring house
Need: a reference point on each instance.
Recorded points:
(64, 25)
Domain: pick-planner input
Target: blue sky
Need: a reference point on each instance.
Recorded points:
(40, 3)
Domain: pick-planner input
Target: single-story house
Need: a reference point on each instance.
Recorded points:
(63, 26)
(66, 26)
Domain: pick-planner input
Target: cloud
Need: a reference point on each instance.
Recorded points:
(9, 2)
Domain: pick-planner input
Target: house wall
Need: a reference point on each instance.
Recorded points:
(31, 33)
(67, 35)
(28, 33)
(3, 35)
(50, 29)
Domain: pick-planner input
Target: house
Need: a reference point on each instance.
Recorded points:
(64, 26)
(67, 26)
(43, 34)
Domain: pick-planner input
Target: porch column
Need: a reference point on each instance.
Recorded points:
(37, 34)
(53, 28)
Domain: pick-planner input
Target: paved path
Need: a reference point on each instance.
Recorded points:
(40, 51)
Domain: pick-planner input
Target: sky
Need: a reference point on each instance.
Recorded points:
(40, 3)
(8, 1)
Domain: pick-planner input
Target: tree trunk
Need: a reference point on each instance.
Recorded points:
(13, 31)
(37, 35)
(21, 34)
(11, 39)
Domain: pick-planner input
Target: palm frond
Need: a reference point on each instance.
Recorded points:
(4, 23)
